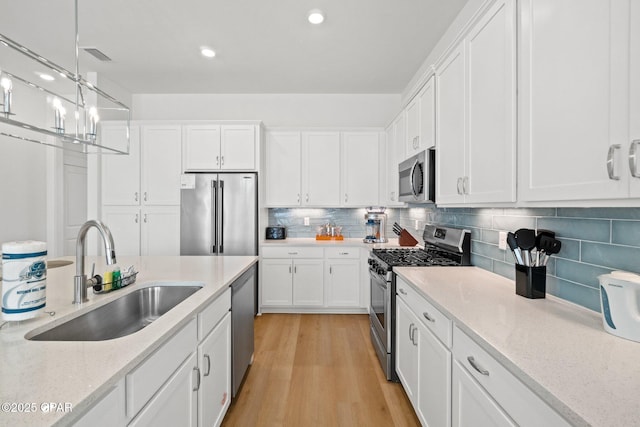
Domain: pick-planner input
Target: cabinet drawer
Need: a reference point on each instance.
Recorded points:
(292, 252)
(351, 253)
(520, 403)
(432, 318)
(210, 316)
(145, 380)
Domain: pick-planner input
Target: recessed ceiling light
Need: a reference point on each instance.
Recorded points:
(47, 77)
(207, 53)
(316, 16)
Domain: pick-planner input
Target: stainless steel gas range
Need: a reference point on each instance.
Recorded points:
(444, 246)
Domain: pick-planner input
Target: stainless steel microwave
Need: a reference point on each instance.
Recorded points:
(417, 178)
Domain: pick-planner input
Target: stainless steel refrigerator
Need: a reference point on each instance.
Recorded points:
(219, 214)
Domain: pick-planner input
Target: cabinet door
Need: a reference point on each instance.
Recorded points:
(573, 99)
(321, 169)
(428, 114)
(308, 282)
(343, 283)
(277, 280)
(283, 156)
(360, 157)
(407, 350)
(161, 166)
(109, 411)
(201, 148)
(124, 224)
(214, 360)
(471, 405)
(160, 233)
(121, 173)
(634, 93)
(413, 126)
(491, 78)
(450, 131)
(175, 404)
(238, 147)
(434, 380)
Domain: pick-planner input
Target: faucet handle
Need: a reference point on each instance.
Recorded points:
(93, 269)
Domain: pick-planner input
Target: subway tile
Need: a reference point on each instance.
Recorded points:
(611, 256)
(505, 269)
(625, 232)
(570, 249)
(512, 223)
(584, 229)
(486, 250)
(481, 261)
(582, 295)
(584, 274)
(490, 236)
(480, 221)
(608, 213)
(530, 211)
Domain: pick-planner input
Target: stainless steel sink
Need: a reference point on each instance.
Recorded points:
(124, 316)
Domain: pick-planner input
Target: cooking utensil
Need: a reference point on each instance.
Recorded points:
(513, 244)
(539, 250)
(526, 239)
(549, 246)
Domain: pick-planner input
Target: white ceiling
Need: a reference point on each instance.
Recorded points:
(262, 46)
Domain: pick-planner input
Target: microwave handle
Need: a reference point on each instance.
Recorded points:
(413, 182)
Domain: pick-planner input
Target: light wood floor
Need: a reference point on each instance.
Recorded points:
(317, 370)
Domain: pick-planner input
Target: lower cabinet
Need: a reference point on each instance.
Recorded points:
(108, 411)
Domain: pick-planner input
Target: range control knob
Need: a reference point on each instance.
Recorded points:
(371, 261)
(380, 271)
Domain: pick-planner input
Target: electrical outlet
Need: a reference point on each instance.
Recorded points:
(306, 221)
(502, 240)
(417, 225)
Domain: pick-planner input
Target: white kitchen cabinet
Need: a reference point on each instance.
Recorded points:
(214, 362)
(634, 99)
(175, 404)
(308, 282)
(287, 282)
(360, 166)
(276, 279)
(320, 169)
(394, 153)
(283, 153)
(574, 98)
(476, 100)
(406, 351)
(147, 230)
(342, 277)
(108, 411)
(472, 406)
(214, 147)
(161, 168)
(121, 173)
(420, 116)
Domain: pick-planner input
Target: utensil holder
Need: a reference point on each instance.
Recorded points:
(531, 282)
(406, 239)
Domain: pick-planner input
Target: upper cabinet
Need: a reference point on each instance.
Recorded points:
(360, 168)
(121, 173)
(214, 147)
(420, 120)
(393, 154)
(476, 112)
(283, 168)
(578, 99)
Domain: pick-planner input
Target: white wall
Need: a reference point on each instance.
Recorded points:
(303, 110)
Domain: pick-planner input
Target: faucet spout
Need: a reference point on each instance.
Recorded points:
(80, 279)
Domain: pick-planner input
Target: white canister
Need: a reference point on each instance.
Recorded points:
(24, 279)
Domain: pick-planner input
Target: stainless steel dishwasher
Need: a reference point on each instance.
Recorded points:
(243, 292)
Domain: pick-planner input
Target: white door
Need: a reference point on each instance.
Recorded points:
(407, 350)
(283, 171)
(124, 224)
(491, 81)
(321, 169)
(277, 277)
(471, 405)
(238, 147)
(360, 157)
(121, 173)
(413, 126)
(343, 283)
(428, 114)
(201, 147)
(308, 282)
(573, 99)
(450, 129)
(214, 361)
(434, 380)
(161, 165)
(160, 233)
(634, 93)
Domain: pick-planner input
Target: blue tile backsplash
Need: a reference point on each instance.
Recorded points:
(594, 240)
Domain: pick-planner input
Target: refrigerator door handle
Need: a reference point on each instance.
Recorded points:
(221, 243)
(214, 199)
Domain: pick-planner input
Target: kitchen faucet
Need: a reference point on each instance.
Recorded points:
(80, 282)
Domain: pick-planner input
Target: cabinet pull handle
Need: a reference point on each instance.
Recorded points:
(633, 159)
(402, 291)
(307, 197)
(135, 196)
(289, 269)
(295, 269)
(330, 270)
(410, 332)
(197, 387)
(136, 220)
(413, 336)
(217, 160)
(429, 318)
(465, 185)
(611, 163)
(343, 253)
(292, 253)
(459, 186)
(346, 197)
(206, 356)
(145, 218)
(145, 196)
(221, 160)
(475, 366)
(298, 198)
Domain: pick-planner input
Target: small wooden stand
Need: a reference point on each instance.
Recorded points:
(406, 239)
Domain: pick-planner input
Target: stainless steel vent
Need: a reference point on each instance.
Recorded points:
(97, 54)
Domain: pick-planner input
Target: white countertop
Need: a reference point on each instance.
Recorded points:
(310, 241)
(80, 373)
(558, 349)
